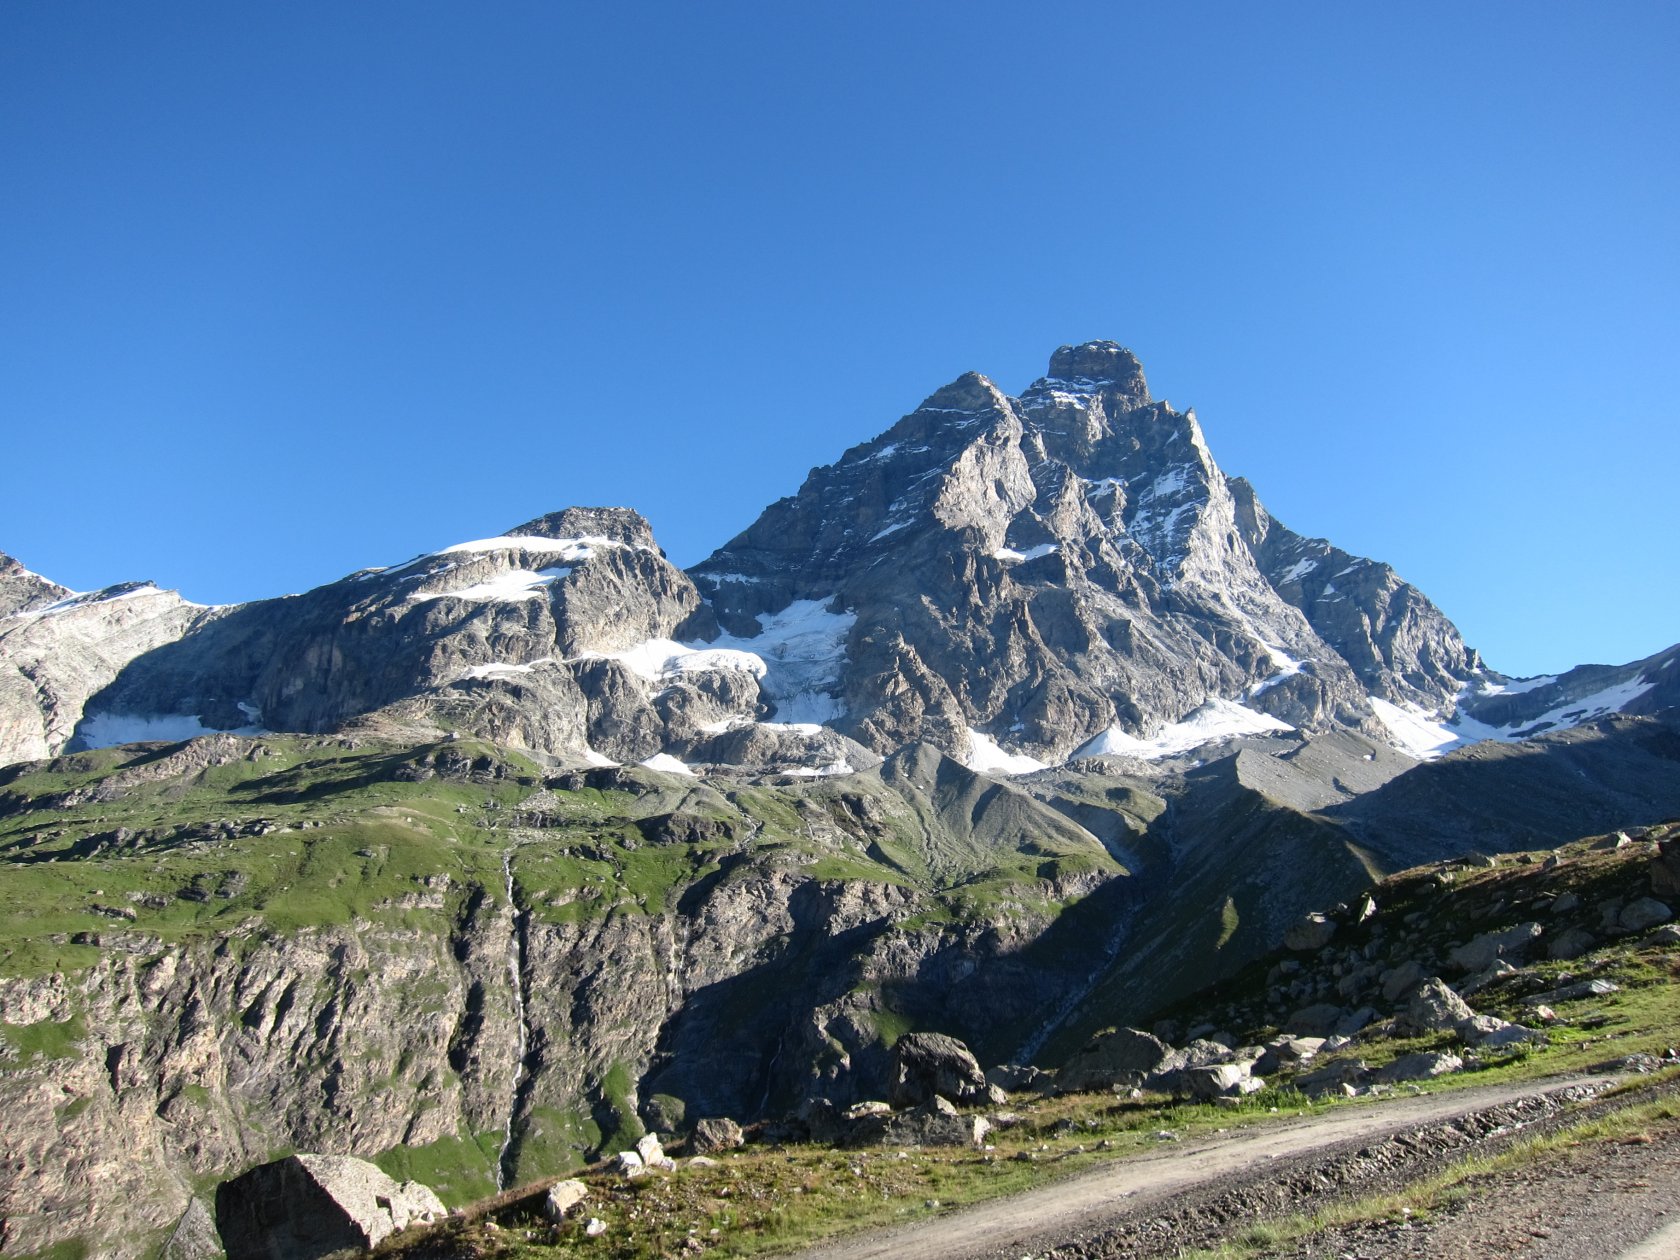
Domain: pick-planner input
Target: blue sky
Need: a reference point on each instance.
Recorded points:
(287, 290)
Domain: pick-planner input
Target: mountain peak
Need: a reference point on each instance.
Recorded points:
(620, 524)
(1105, 364)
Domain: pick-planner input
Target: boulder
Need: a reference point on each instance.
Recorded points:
(653, 1153)
(928, 1064)
(1353, 1021)
(629, 1164)
(1282, 1052)
(305, 1206)
(1418, 1067)
(1644, 913)
(562, 1197)
(1332, 1078)
(1573, 992)
(718, 1133)
(1571, 943)
(934, 1123)
(1665, 868)
(1435, 1008)
(1401, 980)
(195, 1236)
(1120, 1056)
(1315, 1021)
(1481, 951)
(1219, 1080)
(1017, 1077)
(1482, 979)
(1311, 932)
(1565, 903)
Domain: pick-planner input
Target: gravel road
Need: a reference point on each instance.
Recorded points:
(1196, 1194)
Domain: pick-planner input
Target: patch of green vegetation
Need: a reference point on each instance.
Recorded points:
(1229, 921)
(458, 1168)
(553, 1141)
(620, 1125)
(45, 1040)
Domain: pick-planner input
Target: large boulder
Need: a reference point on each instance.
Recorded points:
(1311, 932)
(1434, 1007)
(306, 1206)
(715, 1133)
(929, 1064)
(1665, 868)
(1422, 1066)
(1481, 952)
(1120, 1056)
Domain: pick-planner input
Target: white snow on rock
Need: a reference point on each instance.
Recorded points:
(803, 650)
(1517, 687)
(1426, 736)
(987, 756)
(106, 730)
(509, 587)
(1010, 556)
(661, 660)
(1215, 718)
(1298, 570)
(1287, 667)
(666, 763)
(821, 772)
(502, 669)
(567, 550)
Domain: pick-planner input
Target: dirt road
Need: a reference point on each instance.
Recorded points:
(1194, 1193)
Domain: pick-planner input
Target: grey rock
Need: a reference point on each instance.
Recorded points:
(1319, 1020)
(1646, 912)
(1354, 1021)
(715, 1134)
(1483, 979)
(195, 1236)
(1121, 1056)
(1571, 943)
(1332, 1078)
(306, 1206)
(1664, 867)
(1574, 992)
(1401, 980)
(1434, 1007)
(1482, 951)
(562, 1197)
(1668, 934)
(1424, 1065)
(1312, 932)
(630, 1164)
(929, 1064)
(1219, 1080)
(1564, 903)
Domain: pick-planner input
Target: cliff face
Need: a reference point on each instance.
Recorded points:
(428, 957)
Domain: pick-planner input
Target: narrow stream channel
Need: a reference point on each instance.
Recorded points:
(516, 977)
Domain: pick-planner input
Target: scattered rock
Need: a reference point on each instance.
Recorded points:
(1665, 868)
(1484, 979)
(629, 1164)
(1354, 1021)
(1668, 934)
(596, 1227)
(653, 1153)
(1401, 980)
(1219, 1080)
(1332, 1078)
(1574, 992)
(1565, 902)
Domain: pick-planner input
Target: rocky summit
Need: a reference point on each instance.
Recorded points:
(1015, 723)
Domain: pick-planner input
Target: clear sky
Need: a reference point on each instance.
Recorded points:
(291, 289)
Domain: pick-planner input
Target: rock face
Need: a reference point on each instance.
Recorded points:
(926, 1065)
(58, 648)
(307, 1206)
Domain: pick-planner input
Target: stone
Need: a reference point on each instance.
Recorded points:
(1332, 1078)
(1485, 978)
(1401, 980)
(926, 1065)
(936, 1123)
(1644, 913)
(1311, 932)
(1571, 943)
(1664, 868)
(1422, 1066)
(1482, 951)
(596, 1227)
(1218, 1080)
(1574, 992)
(629, 1164)
(1565, 902)
(1435, 1008)
(1354, 1020)
(195, 1236)
(562, 1197)
(1015, 1078)
(1315, 1021)
(1120, 1056)
(702, 1161)
(1510, 1035)
(1667, 934)
(718, 1133)
(306, 1206)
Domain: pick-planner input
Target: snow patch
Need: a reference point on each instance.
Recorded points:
(510, 587)
(1010, 556)
(1298, 570)
(666, 763)
(106, 730)
(821, 772)
(803, 650)
(1215, 718)
(661, 660)
(502, 669)
(1516, 688)
(889, 529)
(987, 756)
(1426, 737)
